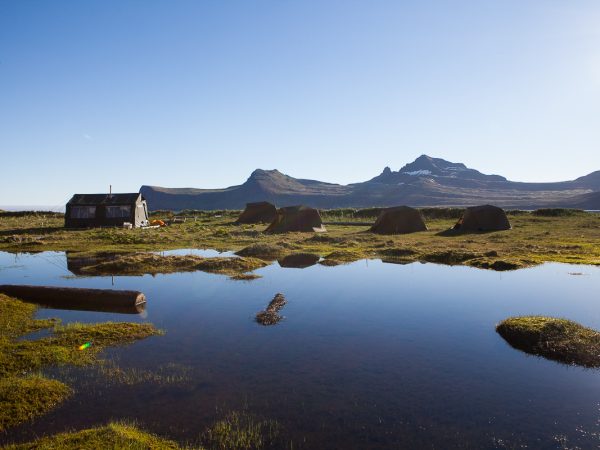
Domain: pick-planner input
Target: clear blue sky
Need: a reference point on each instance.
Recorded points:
(200, 93)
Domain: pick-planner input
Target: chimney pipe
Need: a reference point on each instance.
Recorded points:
(110, 190)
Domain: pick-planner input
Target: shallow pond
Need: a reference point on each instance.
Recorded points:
(370, 355)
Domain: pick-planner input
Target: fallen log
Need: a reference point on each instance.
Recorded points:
(107, 300)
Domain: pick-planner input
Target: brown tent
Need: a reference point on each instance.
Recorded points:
(483, 218)
(296, 218)
(399, 220)
(258, 212)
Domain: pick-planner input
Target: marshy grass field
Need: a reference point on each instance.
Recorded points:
(567, 236)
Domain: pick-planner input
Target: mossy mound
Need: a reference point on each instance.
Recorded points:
(264, 251)
(24, 398)
(112, 436)
(151, 263)
(342, 257)
(556, 339)
(450, 257)
(16, 318)
(397, 252)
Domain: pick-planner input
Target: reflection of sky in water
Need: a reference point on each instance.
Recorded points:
(369, 355)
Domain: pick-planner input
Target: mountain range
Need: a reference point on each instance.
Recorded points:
(426, 181)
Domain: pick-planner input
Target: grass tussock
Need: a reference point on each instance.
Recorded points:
(151, 263)
(395, 252)
(268, 252)
(24, 398)
(241, 431)
(345, 256)
(270, 316)
(115, 435)
(556, 339)
(450, 257)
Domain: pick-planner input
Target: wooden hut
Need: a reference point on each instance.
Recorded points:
(106, 210)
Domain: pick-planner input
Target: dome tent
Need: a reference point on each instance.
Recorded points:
(483, 218)
(258, 212)
(399, 220)
(296, 218)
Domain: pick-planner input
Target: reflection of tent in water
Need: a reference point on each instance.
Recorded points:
(296, 218)
(483, 218)
(299, 260)
(399, 220)
(258, 212)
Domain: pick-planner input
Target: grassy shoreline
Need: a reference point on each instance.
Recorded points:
(553, 236)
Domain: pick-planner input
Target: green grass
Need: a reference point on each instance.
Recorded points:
(238, 430)
(115, 435)
(24, 394)
(556, 339)
(560, 236)
(241, 431)
(24, 398)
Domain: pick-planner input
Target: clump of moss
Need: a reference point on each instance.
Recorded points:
(264, 251)
(230, 266)
(151, 263)
(244, 276)
(16, 318)
(240, 431)
(556, 339)
(24, 398)
(342, 257)
(450, 257)
(114, 435)
(397, 252)
(270, 316)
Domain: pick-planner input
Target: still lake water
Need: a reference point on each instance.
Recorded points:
(370, 355)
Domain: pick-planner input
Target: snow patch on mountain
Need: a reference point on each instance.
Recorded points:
(418, 172)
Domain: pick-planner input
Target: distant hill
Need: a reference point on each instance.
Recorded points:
(426, 181)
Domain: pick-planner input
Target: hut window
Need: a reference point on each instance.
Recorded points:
(83, 212)
(114, 212)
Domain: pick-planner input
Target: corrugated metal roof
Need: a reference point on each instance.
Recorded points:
(104, 199)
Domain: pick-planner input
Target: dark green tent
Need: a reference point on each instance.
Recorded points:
(258, 212)
(483, 218)
(296, 218)
(399, 220)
